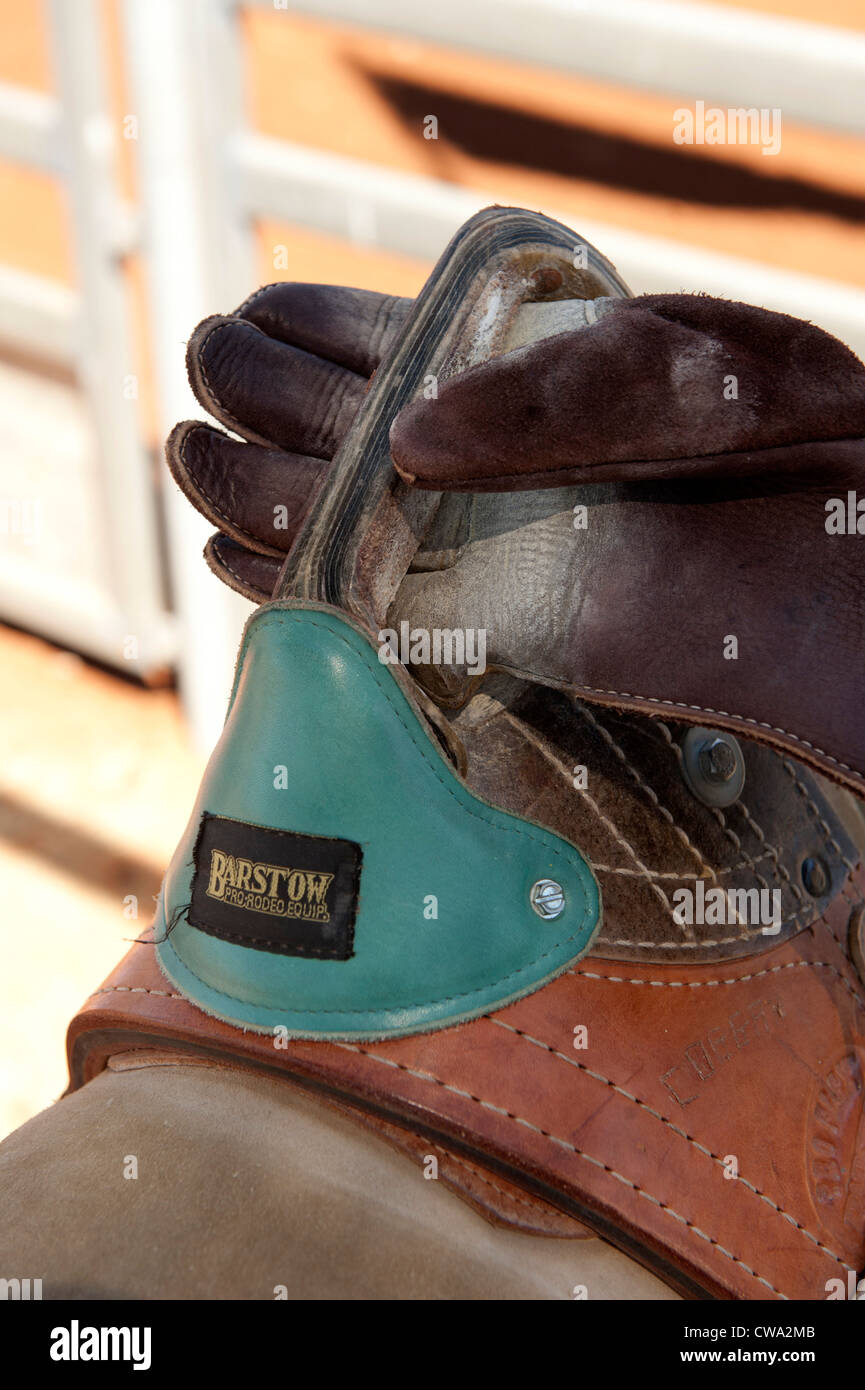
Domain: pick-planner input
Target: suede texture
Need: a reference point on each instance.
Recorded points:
(657, 380)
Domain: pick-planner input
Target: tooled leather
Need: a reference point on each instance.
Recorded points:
(688, 1075)
(643, 831)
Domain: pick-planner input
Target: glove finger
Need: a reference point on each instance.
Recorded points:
(351, 328)
(270, 392)
(259, 496)
(243, 570)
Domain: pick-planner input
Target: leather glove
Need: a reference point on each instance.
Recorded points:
(662, 537)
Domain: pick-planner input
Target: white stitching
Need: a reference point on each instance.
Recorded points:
(678, 877)
(815, 811)
(734, 980)
(565, 1144)
(643, 784)
(605, 820)
(135, 989)
(725, 714)
(716, 1158)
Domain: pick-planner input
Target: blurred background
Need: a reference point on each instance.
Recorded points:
(161, 158)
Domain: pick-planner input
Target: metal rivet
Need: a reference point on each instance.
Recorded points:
(713, 766)
(815, 877)
(547, 898)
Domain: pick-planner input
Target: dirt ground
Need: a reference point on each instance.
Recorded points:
(97, 779)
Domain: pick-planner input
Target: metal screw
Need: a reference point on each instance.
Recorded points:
(717, 760)
(547, 898)
(815, 877)
(713, 766)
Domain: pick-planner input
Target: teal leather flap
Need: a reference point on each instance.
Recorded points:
(414, 896)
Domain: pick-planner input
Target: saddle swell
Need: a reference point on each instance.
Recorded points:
(695, 1097)
(727, 1158)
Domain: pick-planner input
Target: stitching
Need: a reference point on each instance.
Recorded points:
(215, 405)
(734, 838)
(698, 945)
(724, 714)
(134, 989)
(716, 1158)
(748, 861)
(643, 871)
(815, 812)
(571, 1148)
(247, 588)
(413, 1004)
(579, 867)
(643, 784)
(256, 294)
(233, 528)
(772, 851)
(734, 980)
(280, 618)
(672, 874)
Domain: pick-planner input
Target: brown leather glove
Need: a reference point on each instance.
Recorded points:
(708, 448)
(286, 372)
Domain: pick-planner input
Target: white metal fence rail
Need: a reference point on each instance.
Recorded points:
(197, 238)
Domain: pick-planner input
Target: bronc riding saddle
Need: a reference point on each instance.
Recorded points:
(532, 841)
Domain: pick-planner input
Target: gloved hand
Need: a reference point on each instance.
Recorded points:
(286, 372)
(688, 566)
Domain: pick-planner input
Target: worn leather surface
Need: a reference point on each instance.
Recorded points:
(647, 835)
(705, 515)
(636, 611)
(660, 386)
(684, 1069)
(311, 696)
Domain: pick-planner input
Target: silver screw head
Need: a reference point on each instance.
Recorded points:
(717, 760)
(547, 898)
(713, 766)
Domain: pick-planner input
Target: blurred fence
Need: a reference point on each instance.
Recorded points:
(206, 178)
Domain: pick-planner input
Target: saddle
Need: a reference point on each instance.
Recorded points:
(604, 951)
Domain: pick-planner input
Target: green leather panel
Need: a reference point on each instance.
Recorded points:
(312, 696)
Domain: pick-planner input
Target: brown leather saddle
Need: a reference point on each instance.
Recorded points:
(693, 1088)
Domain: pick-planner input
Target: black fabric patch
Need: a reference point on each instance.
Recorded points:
(295, 895)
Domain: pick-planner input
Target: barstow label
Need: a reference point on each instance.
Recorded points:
(274, 890)
(269, 888)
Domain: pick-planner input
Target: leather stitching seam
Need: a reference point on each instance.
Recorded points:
(656, 1114)
(734, 980)
(571, 1148)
